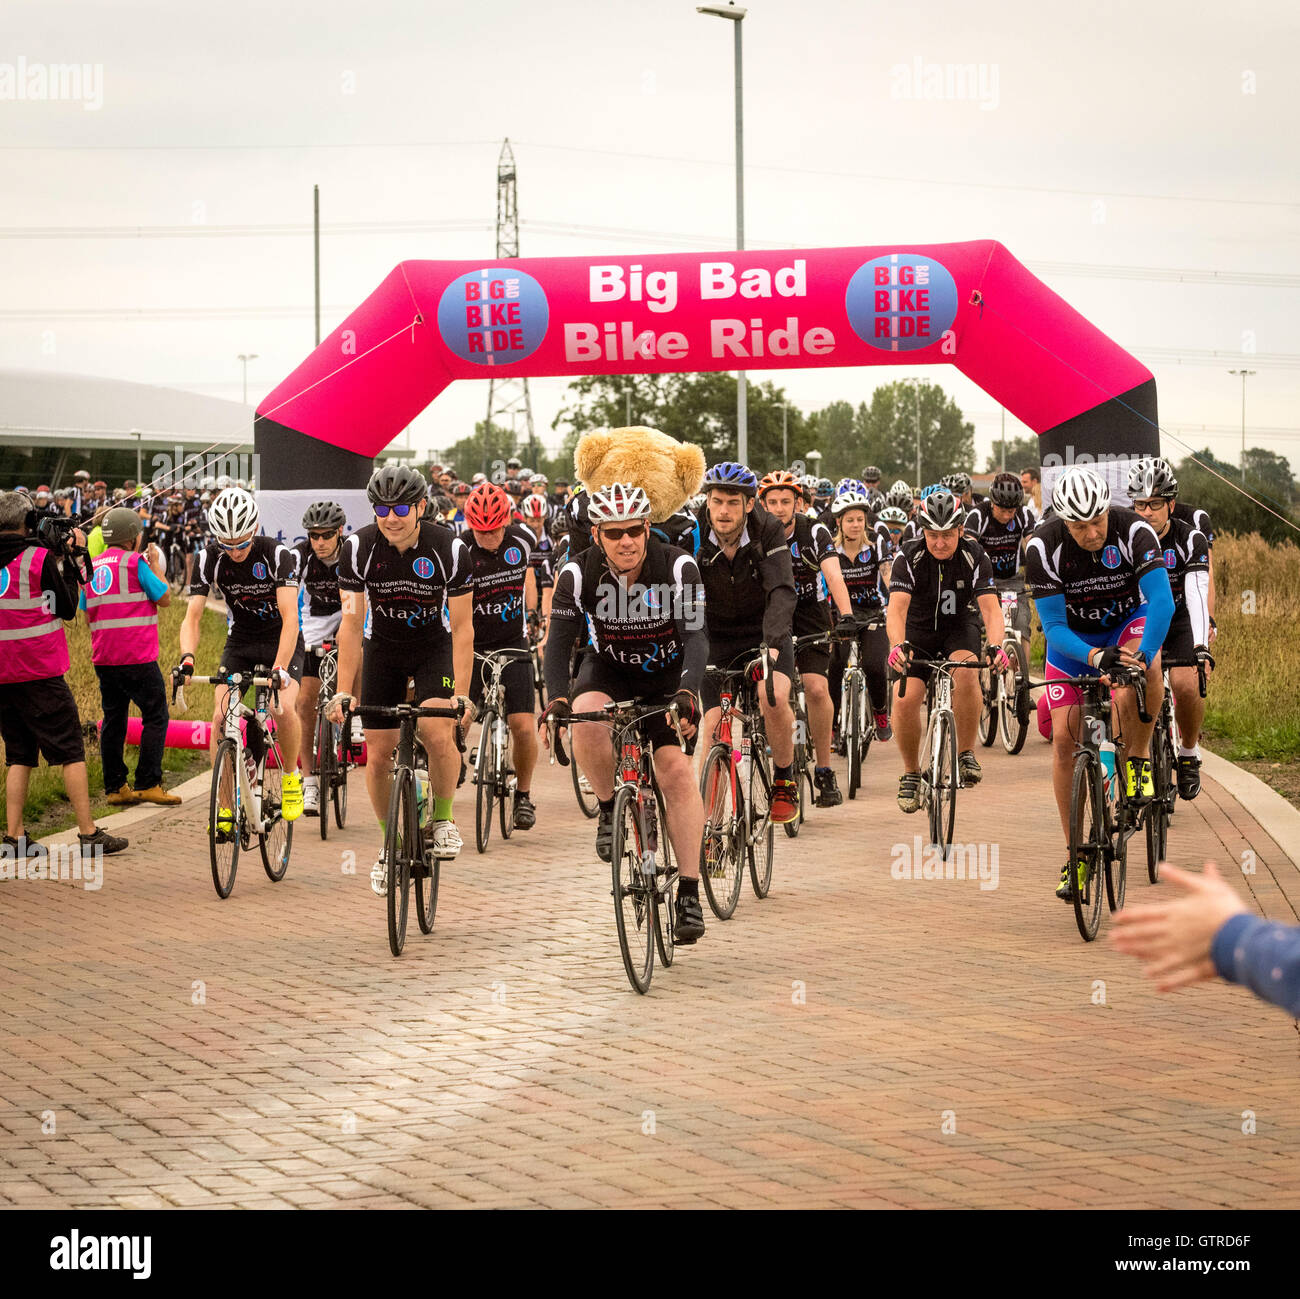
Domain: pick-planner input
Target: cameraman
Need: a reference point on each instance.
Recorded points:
(38, 593)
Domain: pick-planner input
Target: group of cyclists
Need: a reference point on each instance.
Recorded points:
(626, 607)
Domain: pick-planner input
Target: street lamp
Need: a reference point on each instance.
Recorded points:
(916, 390)
(785, 434)
(1245, 374)
(245, 357)
(736, 17)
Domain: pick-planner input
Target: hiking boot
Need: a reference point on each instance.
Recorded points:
(101, 841)
(970, 771)
(124, 797)
(157, 794)
(1189, 778)
(785, 802)
(605, 834)
(909, 791)
(688, 927)
(828, 792)
(525, 812)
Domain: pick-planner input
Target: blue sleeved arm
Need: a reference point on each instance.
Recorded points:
(1263, 955)
(1160, 610)
(150, 583)
(1051, 613)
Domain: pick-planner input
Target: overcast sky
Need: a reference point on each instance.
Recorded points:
(1158, 135)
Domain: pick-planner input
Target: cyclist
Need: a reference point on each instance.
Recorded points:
(1099, 582)
(538, 516)
(258, 577)
(1186, 551)
(642, 604)
(459, 493)
(1198, 519)
(871, 479)
(750, 601)
(863, 557)
(417, 623)
(505, 586)
(823, 494)
(940, 589)
(818, 583)
(894, 521)
(320, 610)
(1031, 479)
(1001, 524)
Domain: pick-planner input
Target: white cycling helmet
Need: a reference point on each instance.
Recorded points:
(892, 514)
(533, 507)
(1080, 494)
(850, 499)
(618, 503)
(233, 515)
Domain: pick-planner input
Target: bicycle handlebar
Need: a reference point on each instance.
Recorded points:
(1120, 678)
(941, 665)
(235, 680)
(610, 716)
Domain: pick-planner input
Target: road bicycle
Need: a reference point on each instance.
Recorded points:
(641, 860)
(494, 777)
(805, 758)
(736, 788)
(940, 777)
(407, 857)
(1164, 774)
(244, 801)
(857, 718)
(538, 656)
(332, 745)
(1102, 819)
(1005, 708)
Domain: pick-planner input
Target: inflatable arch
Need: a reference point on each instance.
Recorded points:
(971, 305)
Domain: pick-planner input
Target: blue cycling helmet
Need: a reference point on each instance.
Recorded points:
(933, 487)
(850, 484)
(728, 474)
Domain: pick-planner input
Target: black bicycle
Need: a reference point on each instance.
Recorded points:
(493, 773)
(805, 758)
(538, 657)
(332, 743)
(407, 858)
(1159, 811)
(1006, 704)
(644, 873)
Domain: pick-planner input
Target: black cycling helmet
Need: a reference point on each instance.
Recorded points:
(958, 483)
(1007, 492)
(940, 511)
(1151, 477)
(324, 514)
(871, 474)
(396, 485)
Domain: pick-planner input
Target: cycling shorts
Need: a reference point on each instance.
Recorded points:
(387, 670)
(734, 653)
(599, 674)
(1179, 649)
(943, 643)
(518, 681)
(245, 655)
(1062, 665)
(813, 620)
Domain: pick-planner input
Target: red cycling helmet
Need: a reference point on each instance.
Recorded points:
(488, 508)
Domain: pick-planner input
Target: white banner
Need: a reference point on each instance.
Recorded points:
(282, 511)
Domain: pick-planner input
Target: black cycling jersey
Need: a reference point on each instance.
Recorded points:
(943, 592)
(407, 593)
(811, 544)
(750, 598)
(248, 587)
(542, 559)
(1186, 550)
(1100, 587)
(319, 603)
(655, 626)
(1001, 541)
(1198, 519)
(862, 571)
(497, 578)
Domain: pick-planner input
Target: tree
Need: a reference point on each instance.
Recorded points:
(890, 427)
(1020, 452)
(1215, 486)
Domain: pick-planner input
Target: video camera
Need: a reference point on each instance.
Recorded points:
(54, 532)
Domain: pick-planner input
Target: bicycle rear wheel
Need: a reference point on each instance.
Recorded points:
(791, 828)
(1158, 810)
(223, 845)
(943, 781)
(760, 832)
(505, 802)
(326, 759)
(722, 860)
(399, 838)
(277, 840)
(426, 891)
(634, 903)
(485, 783)
(990, 699)
(851, 720)
(1013, 704)
(587, 800)
(1088, 841)
(665, 897)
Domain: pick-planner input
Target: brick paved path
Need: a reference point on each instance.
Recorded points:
(810, 1052)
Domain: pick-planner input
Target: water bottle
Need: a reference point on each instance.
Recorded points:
(742, 772)
(1107, 752)
(422, 803)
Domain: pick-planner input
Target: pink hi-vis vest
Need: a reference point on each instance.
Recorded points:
(123, 620)
(32, 643)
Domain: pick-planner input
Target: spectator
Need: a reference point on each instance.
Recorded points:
(1031, 479)
(1208, 930)
(121, 605)
(38, 714)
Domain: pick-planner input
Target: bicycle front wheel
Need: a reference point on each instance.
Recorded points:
(990, 699)
(276, 839)
(223, 832)
(791, 828)
(485, 783)
(722, 846)
(943, 781)
(326, 760)
(586, 796)
(1013, 701)
(851, 718)
(400, 838)
(1088, 842)
(634, 901)
(1157, 811)
(505, 801)
(760, 833)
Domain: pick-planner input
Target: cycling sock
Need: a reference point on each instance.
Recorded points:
(783, 773)
(606, 805)
(822, 771)
(520, 793)
(383, 826)
(1193, 752)
(687, 888)
(442, 809)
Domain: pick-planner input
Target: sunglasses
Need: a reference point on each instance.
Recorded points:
(323, 536)
(381, 511)
(634, 530)
(236, 545)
